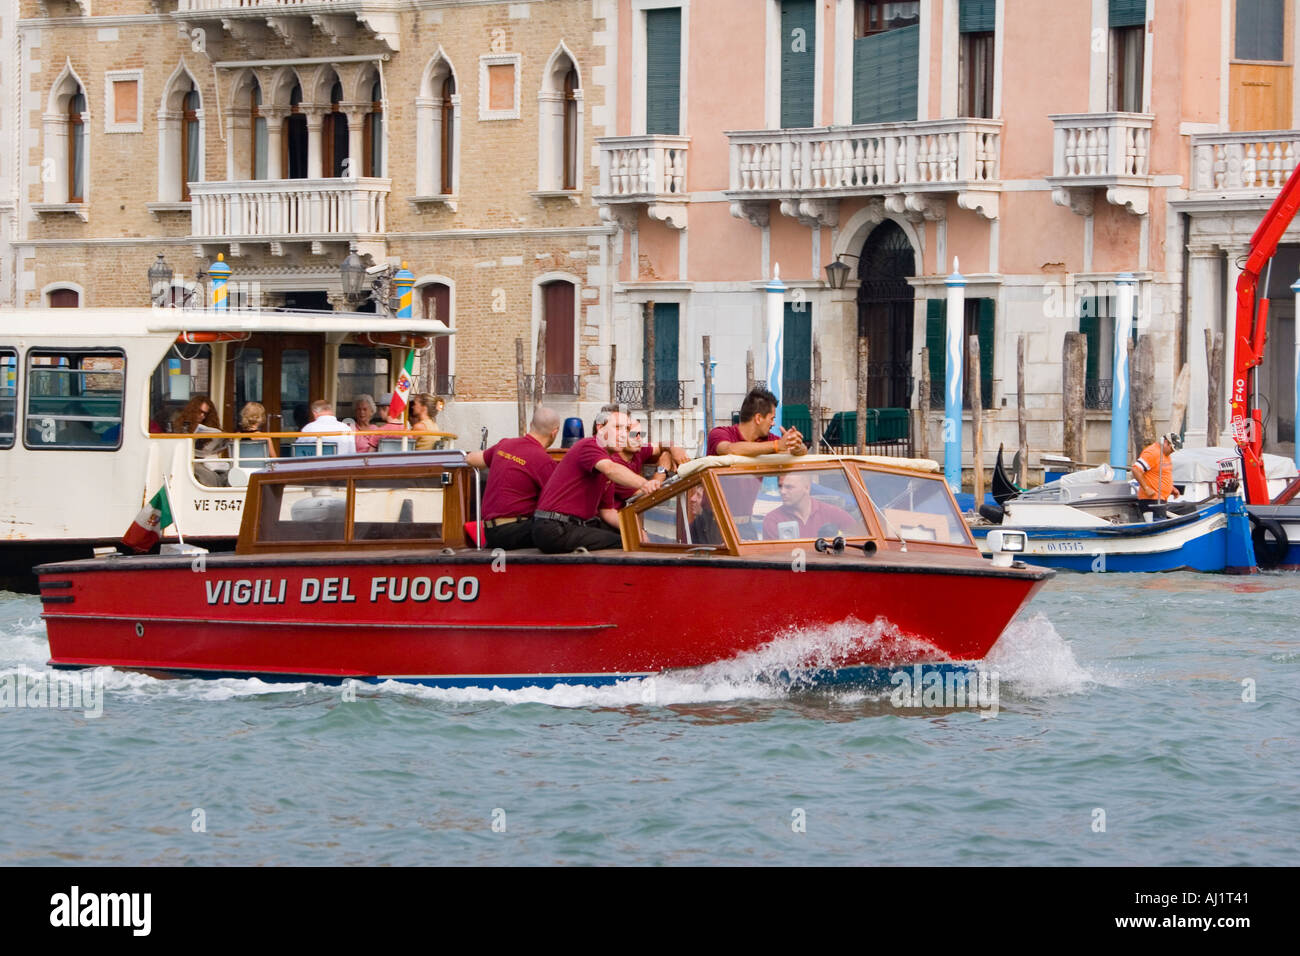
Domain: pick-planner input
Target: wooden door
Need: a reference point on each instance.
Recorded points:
(285, 372)
(1259, 76)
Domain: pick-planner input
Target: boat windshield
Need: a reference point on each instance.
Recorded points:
(804, 503)
(686, 518)
(915, 507)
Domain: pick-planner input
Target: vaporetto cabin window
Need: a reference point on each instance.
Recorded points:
(8, 396)
(74, 399)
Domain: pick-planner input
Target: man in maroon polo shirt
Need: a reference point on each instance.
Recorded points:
(803, 516)
(637, 455)
(518, 470)
(575, 509)
(752, 438)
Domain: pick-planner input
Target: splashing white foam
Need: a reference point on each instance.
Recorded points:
(1034, 660)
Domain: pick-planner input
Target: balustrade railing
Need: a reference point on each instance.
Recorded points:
(1257, 162)
(288, 208)
(642, 166)
(1101, 145)
(924, 155)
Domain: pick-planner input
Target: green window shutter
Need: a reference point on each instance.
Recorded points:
(796, 350)
(666, 330)
(663, 44)
(798, 55)
(885, 76)
(1090, 326)
(977, 16)
(985, 333)
(935, 312)
(1128, 13)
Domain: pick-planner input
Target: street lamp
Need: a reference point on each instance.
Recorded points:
(354, 273)
(837, 273)
(160, 280)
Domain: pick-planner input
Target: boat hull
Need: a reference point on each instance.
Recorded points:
(467, 619)
(1197, 542)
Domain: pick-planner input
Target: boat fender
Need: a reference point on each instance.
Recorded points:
(868, 548)
(993, 514)
(1269, 538)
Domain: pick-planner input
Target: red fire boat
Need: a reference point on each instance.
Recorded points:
(362, 568)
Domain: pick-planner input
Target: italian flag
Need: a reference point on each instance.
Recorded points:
(147, 528)
(397, 408)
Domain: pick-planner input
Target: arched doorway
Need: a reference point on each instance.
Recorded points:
(885, 312)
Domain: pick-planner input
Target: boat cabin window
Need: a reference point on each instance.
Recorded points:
(186, 371)
(303, 511)
(915, 507)
(8, 396)
(397, 509)
(806, 503)
(74, 399)
(687, 518)
(383, 509)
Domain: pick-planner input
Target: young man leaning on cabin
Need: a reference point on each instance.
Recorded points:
(752, 437)
(518, 470)
(576, 508)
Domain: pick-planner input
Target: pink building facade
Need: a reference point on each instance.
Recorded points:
(1045, 148)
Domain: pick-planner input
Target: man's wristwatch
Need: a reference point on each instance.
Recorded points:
(661, 470)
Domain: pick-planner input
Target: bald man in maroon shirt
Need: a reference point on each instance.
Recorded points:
(518, 470)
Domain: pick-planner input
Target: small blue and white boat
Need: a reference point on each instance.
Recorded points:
(1090, 522)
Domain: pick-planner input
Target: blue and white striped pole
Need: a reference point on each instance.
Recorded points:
(775, 290)
(219, 272)
(405, 282)
(955, 326)
(1119, 458)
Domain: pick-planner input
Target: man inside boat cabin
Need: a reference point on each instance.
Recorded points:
(576, 507)
(803, 516)
(753, 437)
(1154, 469)
(518, 470)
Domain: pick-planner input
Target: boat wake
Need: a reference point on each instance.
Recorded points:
(1032, 660)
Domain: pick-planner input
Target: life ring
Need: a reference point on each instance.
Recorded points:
(1269, 538)
(200, 338)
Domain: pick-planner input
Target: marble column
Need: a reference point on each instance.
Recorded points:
(1202, 315)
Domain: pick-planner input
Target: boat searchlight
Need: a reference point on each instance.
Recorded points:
(1003, 544)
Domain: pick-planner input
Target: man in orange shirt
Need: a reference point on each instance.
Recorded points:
(1154, 469)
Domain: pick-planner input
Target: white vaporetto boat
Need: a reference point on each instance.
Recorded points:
(87, 397)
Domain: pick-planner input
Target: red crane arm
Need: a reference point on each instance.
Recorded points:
(1251, 334)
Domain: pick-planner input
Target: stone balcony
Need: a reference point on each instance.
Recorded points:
(1242, 166)
(279, 211)
(913, 167)
(292, 22)
(1110, 151)
(643, 172)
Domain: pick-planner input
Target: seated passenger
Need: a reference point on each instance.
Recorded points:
(573, 510)
(752, 437)
(518, 469)
(200, 415)
(323, 420)
(803, 516)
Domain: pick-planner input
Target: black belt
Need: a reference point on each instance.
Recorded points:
(564, 519)
(498, 522)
